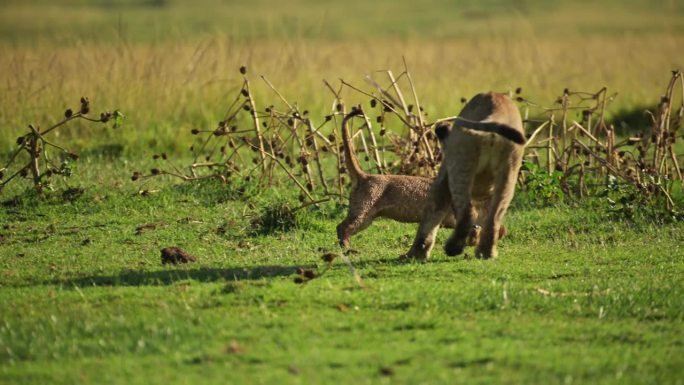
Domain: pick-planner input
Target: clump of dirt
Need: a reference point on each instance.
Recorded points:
(175, 255)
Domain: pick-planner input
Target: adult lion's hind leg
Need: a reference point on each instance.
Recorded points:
(491, 228)
(460, 185)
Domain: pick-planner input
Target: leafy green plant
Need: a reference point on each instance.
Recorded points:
(543, 187)
(625, 201)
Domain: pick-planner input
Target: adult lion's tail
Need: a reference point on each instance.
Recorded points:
(504, 130)
(442, 129)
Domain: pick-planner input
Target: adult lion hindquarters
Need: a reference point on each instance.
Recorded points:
(482, 155)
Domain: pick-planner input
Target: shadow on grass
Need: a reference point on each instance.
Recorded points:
(171, 276)
(203, 274)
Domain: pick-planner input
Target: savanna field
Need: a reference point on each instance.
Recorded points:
(588, 287)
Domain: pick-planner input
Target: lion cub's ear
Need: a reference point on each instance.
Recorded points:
(442, 130)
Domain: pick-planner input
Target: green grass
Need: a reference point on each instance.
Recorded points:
(574, 297)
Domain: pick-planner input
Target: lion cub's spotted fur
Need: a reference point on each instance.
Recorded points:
(398, 197)
(483, 151)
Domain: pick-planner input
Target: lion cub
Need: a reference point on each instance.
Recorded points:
(483, 151)
(398, 197)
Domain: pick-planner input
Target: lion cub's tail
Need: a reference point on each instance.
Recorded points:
(351, 162)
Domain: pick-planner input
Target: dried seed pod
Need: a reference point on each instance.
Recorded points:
(519, 99)
(328, 118)
(246, 107)
(463, 100)
(72, 155)
(135, 176)
(68, 113)
(309, 186)
(338, 107)
(518, 90)
(85, 105)
(329, 257)
(298, 280)
(331, 137)
(194, 131)
(380, 119)
(155, 157)
(155, 171)
(383, 132)
(309, 274)
(163, 155)
(301, 197)
(243, 70)
(373, 103)
(244, 92)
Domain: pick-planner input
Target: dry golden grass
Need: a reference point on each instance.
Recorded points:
(165, 89)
